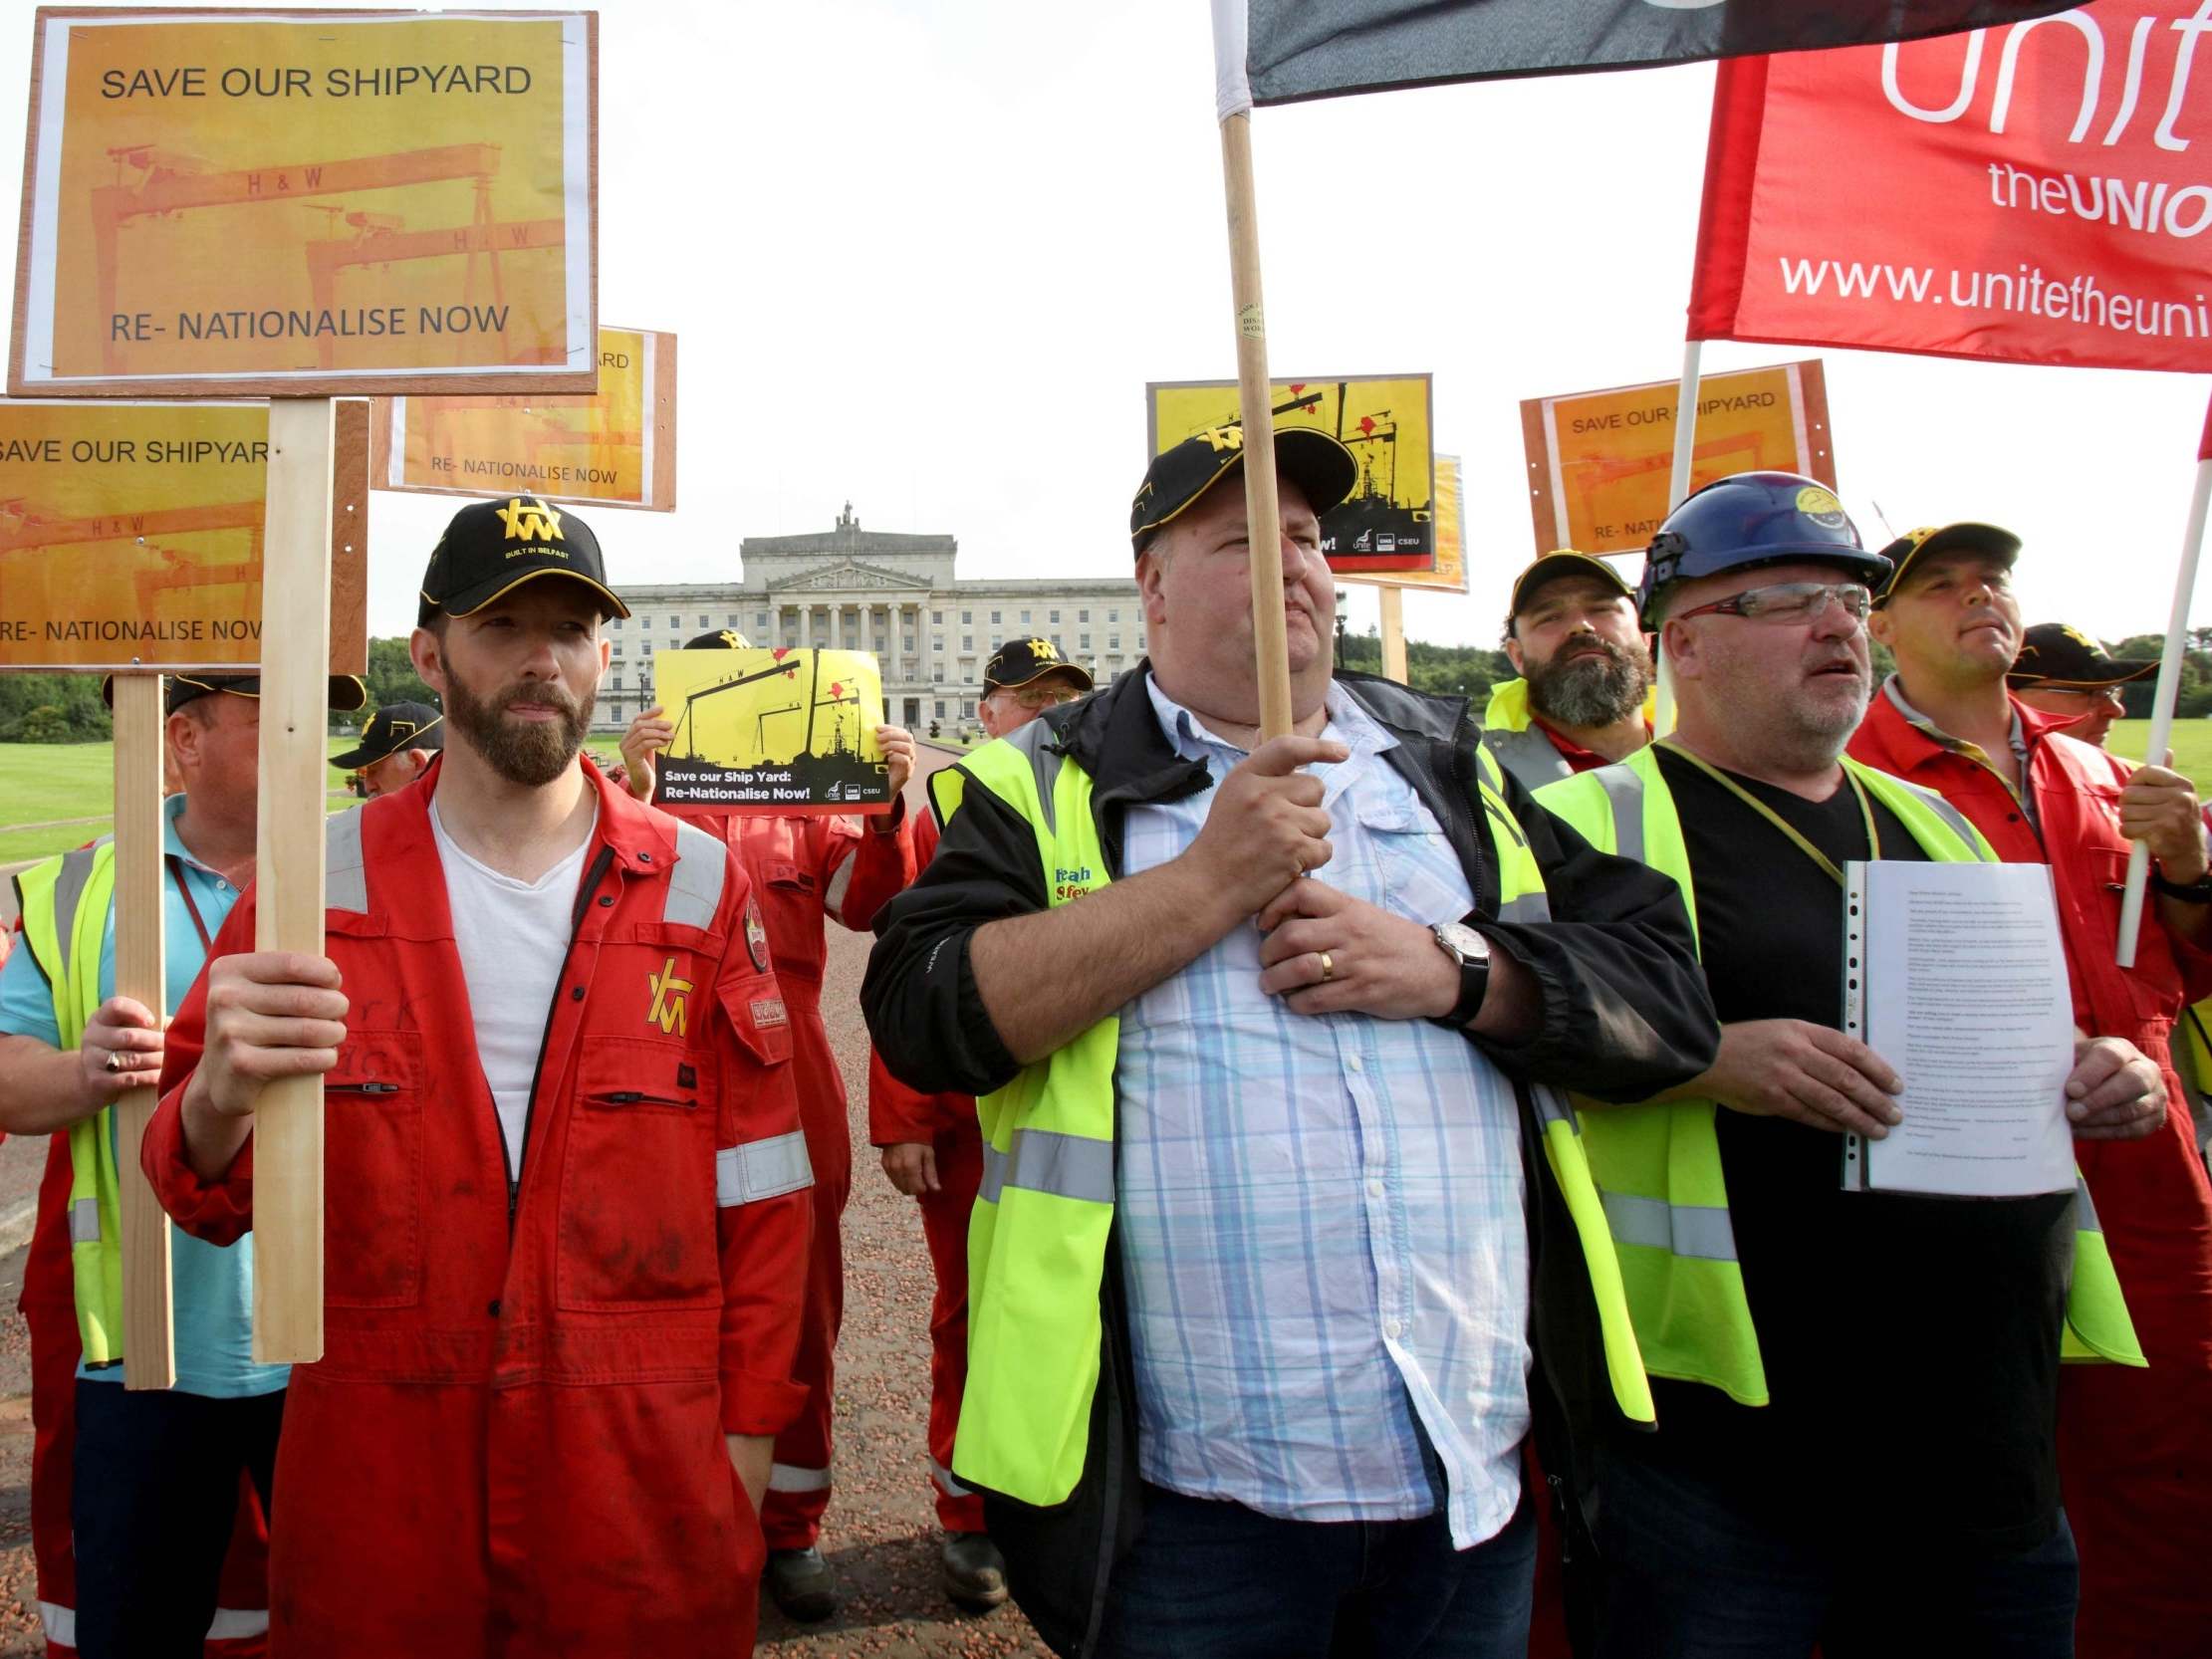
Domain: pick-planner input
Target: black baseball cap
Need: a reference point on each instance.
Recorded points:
(1018, 661)
(2057, 654)
(492, 547)
(347, 692)
(1563, 562)
(721, 639)
(1930, 540)
(1316, 463)
(393, 728)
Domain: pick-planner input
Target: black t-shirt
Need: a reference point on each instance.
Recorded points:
(1910, 1343)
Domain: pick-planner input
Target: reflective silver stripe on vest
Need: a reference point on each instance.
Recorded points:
(235, 1624)
(69, 892)
(761, 1169)
(1625, 790)
(695, 884)
(1044, 1160)
(345, 873)
(1044, 765)
(945, 1483)
(788, 1477)
(83, 1221)
(1529, 907)
(1698, 1230)
(841, 883)
(1552, 1108)
(2084, 1209)
(1955, 820)
(1529, 755)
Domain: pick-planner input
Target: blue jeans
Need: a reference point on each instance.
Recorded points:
(1216, 1580)
(1688, 1575)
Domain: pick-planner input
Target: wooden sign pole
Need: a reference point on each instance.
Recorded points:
(149, 1334)
(295, 714)
(1270, 631)
(1393, 632)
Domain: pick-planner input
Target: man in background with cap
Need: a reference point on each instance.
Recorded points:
(932, 1152)
(2135, 1446)
(565, 1199)
(809, 869)
(397, 747)
(132, 1561)
(1239, 1272)
(2062, 671)
(1774, 1310)
(1584, 696)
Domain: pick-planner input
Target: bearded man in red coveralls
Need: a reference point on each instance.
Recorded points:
(566, 1197)
(932, 1147)
(807, 870)
(2134, 1446)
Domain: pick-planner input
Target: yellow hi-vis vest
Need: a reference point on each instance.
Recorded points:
(1521, 749)
(65, 927)
(1658, 1165)
(1037, 1238)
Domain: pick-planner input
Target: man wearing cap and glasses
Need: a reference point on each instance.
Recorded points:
(1583, 697)
(565, 1191)
(397, 747)
(809, 869)
(157, 1476)
(2137, 1446)
(1252, 1254)
(932, 1152)
(2063, 671)
(1774, 1310)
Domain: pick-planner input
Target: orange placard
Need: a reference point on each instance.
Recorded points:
(615, 448)
(131, 536)
(307, 203)
(1600, 461)
(1450, 573)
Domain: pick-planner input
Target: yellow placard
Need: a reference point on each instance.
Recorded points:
(1599, 463)
(364, 201)
(131, 534)
(613, 448)
(789, 730)
(1450, 573)
(1386, 525)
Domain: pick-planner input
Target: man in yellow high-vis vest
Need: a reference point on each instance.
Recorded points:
(134, 1493)
(1278, 1189)
(1856, 1392)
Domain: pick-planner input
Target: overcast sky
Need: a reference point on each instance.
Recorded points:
(925, 256)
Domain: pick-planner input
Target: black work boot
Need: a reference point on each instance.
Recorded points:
(799, 1582)
(975, 1571)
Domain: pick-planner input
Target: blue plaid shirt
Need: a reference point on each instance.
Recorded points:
(1321, 1217)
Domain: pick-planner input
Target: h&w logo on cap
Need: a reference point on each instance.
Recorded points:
(529, 519)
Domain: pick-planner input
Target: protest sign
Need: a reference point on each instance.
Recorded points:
(1383, 420)
(786, 730)
(131, 536)
(1449, 573)
(2033, 193)
(614, 449)
(270, 202)
(1598, 461)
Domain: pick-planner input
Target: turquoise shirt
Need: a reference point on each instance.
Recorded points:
(211, 1284)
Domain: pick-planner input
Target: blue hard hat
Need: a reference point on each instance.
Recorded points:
(1747, 520)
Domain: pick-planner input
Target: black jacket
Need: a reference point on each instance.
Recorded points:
(1626, 1016)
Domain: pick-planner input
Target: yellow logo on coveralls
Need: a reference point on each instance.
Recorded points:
(529, 519)
(668, 993)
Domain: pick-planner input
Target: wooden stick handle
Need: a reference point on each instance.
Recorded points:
(148, 1331)
(295, 771)
(1393, 632)
(1269, 632)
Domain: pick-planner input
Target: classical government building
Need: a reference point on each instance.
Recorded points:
(895, 594)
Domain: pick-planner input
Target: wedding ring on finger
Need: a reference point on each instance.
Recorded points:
(1328, 967)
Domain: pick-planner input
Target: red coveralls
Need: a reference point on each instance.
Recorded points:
(807, 867)
(513, 1444)
(947, 1124)
(2134, 1446)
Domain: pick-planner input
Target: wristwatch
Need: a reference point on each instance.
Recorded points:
(2198, 891)
(1472, 952)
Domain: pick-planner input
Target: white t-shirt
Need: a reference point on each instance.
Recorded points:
(513, 938)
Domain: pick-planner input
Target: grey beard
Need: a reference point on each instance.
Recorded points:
(1589, 692)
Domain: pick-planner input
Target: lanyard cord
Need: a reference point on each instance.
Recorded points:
(1866, 809)
(185, 890)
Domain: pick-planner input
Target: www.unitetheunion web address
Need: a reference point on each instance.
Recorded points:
(2024, 290)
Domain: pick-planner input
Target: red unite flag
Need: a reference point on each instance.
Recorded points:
(2040, 192)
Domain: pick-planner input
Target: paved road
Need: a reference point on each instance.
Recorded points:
(881, 1534)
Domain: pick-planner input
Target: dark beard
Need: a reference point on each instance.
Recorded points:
(531, 755)
(1588, 692)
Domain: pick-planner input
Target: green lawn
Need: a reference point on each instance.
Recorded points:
(2193, 747)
